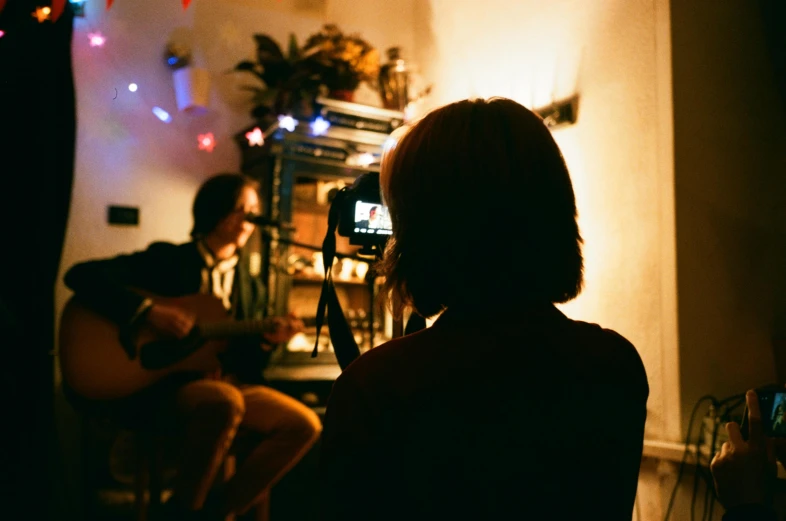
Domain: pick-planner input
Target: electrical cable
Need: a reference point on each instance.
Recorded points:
(687, 451)
(696, 473)
(709, 495)
(723, 417)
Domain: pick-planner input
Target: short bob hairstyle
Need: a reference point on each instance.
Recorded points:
(215, 199)
(483, 212)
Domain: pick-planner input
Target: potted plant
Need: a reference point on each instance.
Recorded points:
(289, 83)
(342, 61)
(328, 63)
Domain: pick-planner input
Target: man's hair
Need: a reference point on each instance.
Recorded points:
(483, 211)
(216, 199)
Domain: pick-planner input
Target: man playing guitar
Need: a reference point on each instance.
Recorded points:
(148, 350)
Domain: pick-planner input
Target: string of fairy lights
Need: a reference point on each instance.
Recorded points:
(206, 141)
(98, 41)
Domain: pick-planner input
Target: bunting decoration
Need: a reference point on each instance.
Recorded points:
(109, 3)
(57, 9)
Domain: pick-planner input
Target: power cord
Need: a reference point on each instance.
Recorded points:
(719, 413)
(684, 460)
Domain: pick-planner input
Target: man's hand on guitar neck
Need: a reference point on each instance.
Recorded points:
(170, 320)
(282, 330)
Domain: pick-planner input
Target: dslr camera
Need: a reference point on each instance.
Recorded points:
(362, 217)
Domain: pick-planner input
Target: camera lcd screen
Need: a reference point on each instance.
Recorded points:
(372, 219)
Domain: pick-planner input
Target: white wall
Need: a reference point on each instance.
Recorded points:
(607, 53)
(677, 160)
(616, 55)
(730, 156)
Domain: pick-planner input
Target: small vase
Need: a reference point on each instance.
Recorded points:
(342, 94)
(394, 81)
(192, 89)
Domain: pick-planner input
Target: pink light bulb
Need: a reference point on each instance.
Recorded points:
(96, 39)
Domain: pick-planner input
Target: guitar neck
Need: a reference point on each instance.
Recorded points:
(233, 328)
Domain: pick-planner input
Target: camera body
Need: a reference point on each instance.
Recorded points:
(363, 218)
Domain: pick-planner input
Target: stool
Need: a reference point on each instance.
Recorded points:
(148, 472)
(147, 483)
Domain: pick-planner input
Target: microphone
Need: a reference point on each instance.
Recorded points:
(261, 220)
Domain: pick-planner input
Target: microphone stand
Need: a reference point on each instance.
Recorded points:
(266, 235)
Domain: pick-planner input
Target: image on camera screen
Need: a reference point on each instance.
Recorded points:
(372, 218)
(778, 414)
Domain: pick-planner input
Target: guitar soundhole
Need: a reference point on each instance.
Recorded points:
(163, 353)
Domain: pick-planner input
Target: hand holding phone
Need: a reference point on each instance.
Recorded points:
(772, 406)
(744, 470)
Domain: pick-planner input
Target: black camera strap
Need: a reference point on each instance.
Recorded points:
(344, 344)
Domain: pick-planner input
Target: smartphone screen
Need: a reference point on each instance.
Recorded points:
(772, 404)
(773, 413)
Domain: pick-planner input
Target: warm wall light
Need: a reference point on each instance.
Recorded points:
(560, 113)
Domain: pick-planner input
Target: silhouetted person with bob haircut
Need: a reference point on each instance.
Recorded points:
(474, 417)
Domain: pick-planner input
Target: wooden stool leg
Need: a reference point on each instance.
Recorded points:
(88, 483)
(156, 476)
(263, 508)
(230, 466)
(141, 478)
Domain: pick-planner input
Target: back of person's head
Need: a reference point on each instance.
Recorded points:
(216, 199)
(482, 208)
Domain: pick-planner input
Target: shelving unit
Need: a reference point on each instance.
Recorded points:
(298, 171)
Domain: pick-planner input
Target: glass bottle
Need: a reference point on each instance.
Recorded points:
(394, 81)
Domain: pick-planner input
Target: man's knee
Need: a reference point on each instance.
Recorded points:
(308, 426)
(223, 405)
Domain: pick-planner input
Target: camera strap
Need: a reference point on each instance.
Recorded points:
(344, 344)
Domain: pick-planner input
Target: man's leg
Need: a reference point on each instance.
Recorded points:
(211, 411)
(287, 428)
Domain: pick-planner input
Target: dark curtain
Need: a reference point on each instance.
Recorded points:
(774, 20)
(37, 142)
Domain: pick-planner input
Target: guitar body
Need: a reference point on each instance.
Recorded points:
(95, 364)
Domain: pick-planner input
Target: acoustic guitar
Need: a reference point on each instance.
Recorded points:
(101, 361)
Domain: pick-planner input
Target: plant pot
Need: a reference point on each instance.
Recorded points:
(343, 94)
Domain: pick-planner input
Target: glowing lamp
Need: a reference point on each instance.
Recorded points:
(319, 126)
(560, 113)
(132, 87)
